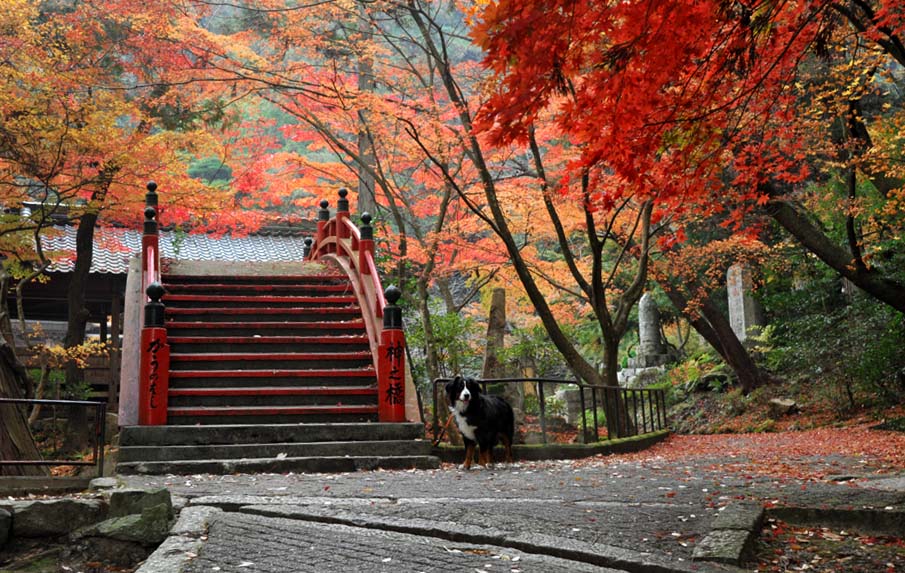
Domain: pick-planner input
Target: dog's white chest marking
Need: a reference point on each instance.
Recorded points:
(467, 431)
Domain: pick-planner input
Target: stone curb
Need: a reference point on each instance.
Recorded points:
(24, 485)
(732, 536)
(183, 544)
(536, 452)
(324, 464)
(591, 553)
(876, 521)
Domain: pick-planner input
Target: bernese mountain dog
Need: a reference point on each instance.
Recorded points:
(483, 420)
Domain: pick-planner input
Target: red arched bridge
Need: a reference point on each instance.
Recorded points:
(273, 367)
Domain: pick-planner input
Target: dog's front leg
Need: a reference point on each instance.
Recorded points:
(485, 458)
(469, 455)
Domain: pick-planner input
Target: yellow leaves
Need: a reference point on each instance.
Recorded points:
(16, 16)
(56, 356)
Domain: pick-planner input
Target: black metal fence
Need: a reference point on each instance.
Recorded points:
(628, 411)
(99, 430)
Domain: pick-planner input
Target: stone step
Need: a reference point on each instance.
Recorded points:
(264, 344)
(274, 450)
(272, 396)
(263, 328)
(363, 376)
(271, 414)
(269, 361)
(333, 464)
(271, 433)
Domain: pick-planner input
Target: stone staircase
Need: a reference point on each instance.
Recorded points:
(269, 372)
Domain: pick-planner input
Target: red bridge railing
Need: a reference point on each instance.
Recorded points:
(154, 369)
(339, 240)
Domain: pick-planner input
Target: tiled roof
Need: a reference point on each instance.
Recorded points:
(113, 248)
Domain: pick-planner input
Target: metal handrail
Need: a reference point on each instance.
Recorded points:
(100, 433)
(611, 400)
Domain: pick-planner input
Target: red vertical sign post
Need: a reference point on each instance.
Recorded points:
(154, 366)
(154, 370)
(391, 362)
(154, 376)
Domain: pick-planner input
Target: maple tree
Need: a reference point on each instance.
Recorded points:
(344, 129)
(428, 165)
(720, 107)
(79, 139)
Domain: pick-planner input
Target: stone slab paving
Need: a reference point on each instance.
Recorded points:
(253, 543)
(648, 515)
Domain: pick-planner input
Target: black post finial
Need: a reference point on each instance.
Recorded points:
(154, 309)
(323, 214)
(150, 222)
(151, 195)
(343, 203)
(392, 313)
(367, 231)
(307, 249)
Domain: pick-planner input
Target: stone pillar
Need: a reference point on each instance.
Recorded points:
(496, 330)
(493, 368)
(745, 314)
(131, 351)
(649, 327)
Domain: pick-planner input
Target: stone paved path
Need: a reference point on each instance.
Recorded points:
(627, 514)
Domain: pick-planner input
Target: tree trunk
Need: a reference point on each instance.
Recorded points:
(368, 161)
(493, 367)
(16, 441)
(613, 403)
(77, 435)
(732, 350)
(611, 359)
(6, 323)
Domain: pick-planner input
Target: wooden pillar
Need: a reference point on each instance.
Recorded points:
(103, 324)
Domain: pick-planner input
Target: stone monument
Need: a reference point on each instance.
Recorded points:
(745, 313)
(652, 352)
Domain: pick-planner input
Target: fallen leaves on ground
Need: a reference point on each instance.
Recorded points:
(788, 454)
(786, 547)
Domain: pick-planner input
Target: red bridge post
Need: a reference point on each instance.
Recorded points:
(391, 362)
(323, 217)
(154, 372)
(365, 244)
(154, 365)
(342, 213)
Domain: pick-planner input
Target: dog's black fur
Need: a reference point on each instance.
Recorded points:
(482, 420)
